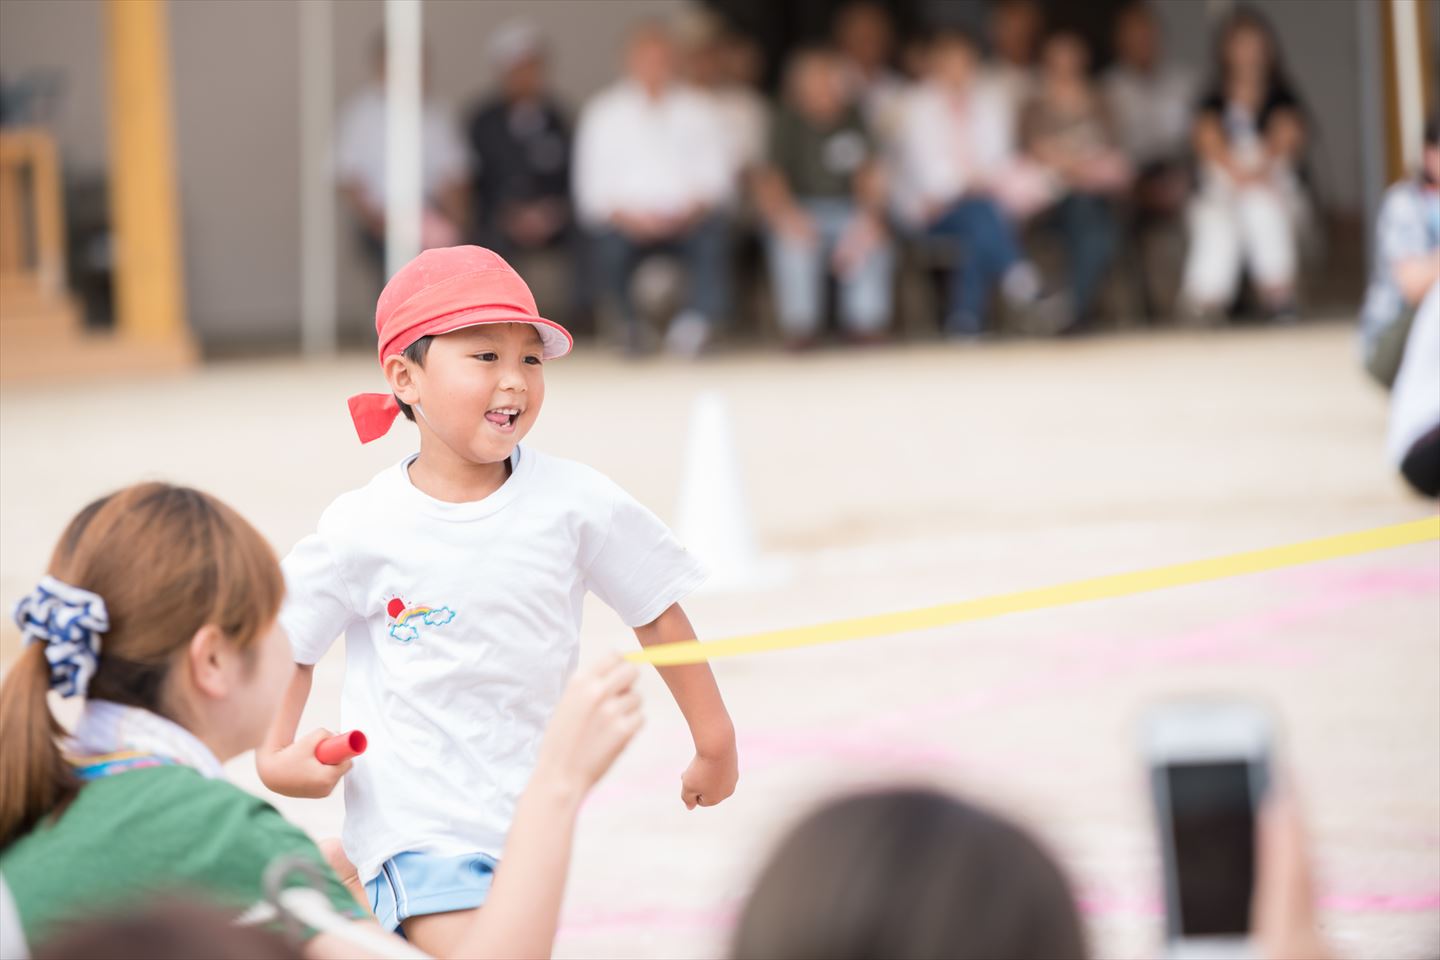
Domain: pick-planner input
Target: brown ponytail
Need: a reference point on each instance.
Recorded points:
(167, 561)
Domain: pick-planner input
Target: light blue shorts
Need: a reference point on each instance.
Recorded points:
(416, 884)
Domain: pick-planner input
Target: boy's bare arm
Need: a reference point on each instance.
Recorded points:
(711, 776)
(287, 765)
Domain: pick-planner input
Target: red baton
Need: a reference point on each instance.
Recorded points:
(341, 747)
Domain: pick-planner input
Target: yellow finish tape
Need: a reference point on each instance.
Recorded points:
(1064, 594)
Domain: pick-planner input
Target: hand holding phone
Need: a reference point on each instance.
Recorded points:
(1209, 774)
(1285, 923)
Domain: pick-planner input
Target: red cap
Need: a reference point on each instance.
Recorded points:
(443, 290)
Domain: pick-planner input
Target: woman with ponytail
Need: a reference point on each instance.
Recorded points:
(159, 611)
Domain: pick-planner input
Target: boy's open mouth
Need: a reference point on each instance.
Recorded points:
(503, 418)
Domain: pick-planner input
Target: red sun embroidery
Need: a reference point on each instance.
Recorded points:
(395, 607)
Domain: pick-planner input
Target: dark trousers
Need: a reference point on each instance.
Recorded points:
(1421, 465)
(1086, 224)
(704, 249)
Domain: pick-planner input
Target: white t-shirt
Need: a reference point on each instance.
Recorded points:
(640, 154)
(944, 145)
(461, 625)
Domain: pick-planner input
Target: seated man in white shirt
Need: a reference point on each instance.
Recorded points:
(954, 166)
(651, 173)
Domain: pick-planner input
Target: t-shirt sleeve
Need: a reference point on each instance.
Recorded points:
(317, 606)
(640, 568)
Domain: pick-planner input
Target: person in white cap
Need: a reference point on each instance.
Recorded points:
(519, 142)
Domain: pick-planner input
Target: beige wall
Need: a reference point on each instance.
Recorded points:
(236, 76)
(68, 38)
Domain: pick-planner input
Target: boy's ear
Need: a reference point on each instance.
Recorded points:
(399, 375)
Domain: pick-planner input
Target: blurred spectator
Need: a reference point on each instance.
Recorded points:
(1414, 435)
(1407, 261)
(909, 873)
(1015, 30)
(864, 35)
(953, 157)
(651, 169)
(1150, 101)
(821, 200)
(1248, 137)
(520, 159)
(360, 167)
(746, 114)
(914, 60)
(1066, 130)
(725, 66)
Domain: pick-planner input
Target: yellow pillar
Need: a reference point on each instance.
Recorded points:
(144, 208)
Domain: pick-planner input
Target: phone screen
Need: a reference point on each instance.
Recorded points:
(1212, 820)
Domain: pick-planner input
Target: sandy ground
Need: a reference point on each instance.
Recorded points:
(893, 478)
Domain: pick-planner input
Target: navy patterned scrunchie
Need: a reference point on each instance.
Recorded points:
(69, 621)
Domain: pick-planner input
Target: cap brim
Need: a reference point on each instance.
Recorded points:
(555, 340)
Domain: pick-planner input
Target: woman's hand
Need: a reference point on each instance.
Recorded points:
(862, 236)
(597, 716)
(1284, 918)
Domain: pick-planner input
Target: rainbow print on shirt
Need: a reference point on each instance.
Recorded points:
(406, 620)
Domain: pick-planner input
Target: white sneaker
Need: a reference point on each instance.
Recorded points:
(1020, 286)
(688, 334)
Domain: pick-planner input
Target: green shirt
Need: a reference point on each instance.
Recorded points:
(150, 831)
(819, 162)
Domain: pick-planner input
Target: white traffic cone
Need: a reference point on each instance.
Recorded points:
(711, 517)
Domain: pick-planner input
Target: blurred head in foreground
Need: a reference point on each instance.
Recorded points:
(908, 873)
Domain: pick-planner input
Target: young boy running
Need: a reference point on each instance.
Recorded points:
(457, 577)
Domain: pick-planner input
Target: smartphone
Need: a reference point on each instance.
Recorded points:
(1209, 768)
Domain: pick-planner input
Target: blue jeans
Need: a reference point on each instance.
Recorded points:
(704, 249)
(798, 271)
(987, 248)
(1086, 224)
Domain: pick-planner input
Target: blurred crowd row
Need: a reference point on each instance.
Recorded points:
(1002, 170)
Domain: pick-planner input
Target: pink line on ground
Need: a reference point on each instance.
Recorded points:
(1110, 904)
(722, 917)
(591, 922)
(1381, 902)
(1094, 904)
(1409, 579)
